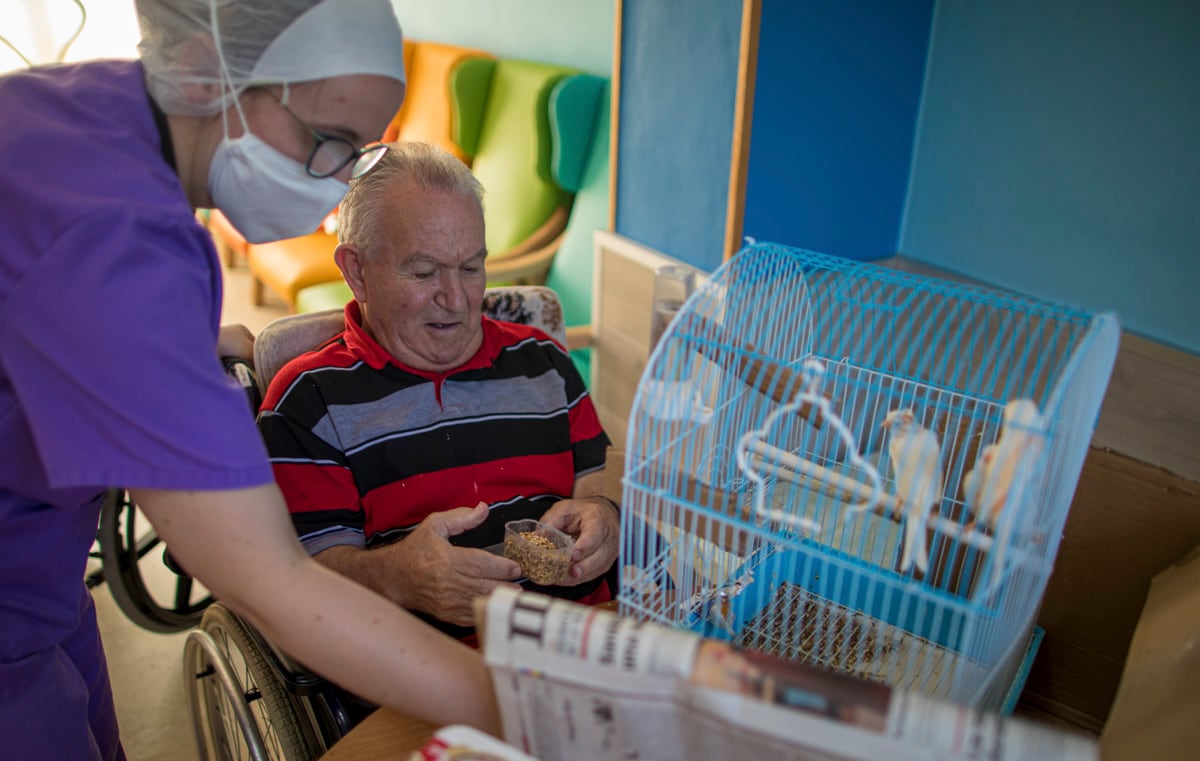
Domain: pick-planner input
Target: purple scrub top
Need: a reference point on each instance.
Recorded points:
(110, 301)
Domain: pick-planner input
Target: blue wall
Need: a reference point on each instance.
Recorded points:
(576, 33)
(835, 111)
(678, 84)
(1058, 154)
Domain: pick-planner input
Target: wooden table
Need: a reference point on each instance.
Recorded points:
(384, 734)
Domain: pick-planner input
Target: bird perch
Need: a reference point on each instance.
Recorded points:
(771, 379)
(802, 472)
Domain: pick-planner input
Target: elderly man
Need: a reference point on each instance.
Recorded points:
(403, 445)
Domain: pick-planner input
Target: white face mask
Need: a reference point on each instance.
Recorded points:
(266, 195)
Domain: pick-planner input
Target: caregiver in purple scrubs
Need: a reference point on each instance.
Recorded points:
(110, 300)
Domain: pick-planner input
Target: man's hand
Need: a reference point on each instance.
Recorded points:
(235, 341)
(427, 573)
(596, 527)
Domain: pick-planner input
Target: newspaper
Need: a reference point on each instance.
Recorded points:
(585, 684)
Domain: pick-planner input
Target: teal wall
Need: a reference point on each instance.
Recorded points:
(1058, 154)
(832, 123)
(836, 95)
(1057, 147)
(679, 61)
(576, 33)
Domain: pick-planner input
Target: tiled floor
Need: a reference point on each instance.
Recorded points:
(147, 668)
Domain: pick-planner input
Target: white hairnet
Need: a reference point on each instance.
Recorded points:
(261, 41)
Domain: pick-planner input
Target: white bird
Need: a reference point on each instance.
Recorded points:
(972, 482)
(988, 485)
(917, 468)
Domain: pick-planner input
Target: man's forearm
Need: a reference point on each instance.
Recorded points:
(358, 564)
(590, 485)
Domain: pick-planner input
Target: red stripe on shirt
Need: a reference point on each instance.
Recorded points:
(309, 487)
(584, 422)
(409, 501)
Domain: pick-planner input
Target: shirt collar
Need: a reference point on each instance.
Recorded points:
(365, 347)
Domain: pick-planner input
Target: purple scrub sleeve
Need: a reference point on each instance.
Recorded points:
(118, 375)
(110, 302)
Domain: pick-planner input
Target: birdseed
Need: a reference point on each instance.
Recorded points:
(541, 560)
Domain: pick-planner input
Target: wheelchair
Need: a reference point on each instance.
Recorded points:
(125, 544)
(246, 698)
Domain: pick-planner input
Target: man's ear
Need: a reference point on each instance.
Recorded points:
(351, 262)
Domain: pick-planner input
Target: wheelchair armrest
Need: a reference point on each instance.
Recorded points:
(299, 680)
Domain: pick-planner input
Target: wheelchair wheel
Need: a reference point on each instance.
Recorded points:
(128, 545)
(240, 709)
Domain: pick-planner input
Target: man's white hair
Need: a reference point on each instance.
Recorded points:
(411, 161)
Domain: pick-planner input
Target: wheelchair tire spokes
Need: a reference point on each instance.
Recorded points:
(183, 593)
(124, 554)
(224, 729)
(240, 709)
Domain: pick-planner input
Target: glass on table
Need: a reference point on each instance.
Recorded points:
(672, 285)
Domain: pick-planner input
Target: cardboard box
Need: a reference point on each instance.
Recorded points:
(1128, 521)
(1157, 710)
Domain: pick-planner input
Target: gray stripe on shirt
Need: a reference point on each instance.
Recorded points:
(415, 409)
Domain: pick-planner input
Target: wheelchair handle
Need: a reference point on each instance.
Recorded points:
(242, 371)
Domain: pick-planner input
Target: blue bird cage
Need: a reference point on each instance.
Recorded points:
(767, 501)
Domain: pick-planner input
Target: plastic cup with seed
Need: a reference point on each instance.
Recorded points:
(542, 551)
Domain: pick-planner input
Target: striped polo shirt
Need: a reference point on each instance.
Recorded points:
(364, 447)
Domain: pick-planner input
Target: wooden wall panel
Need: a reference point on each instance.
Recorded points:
(624, 283)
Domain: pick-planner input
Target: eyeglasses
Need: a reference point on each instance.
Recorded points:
(331, 154)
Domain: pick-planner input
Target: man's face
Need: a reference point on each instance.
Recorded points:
(424, 286)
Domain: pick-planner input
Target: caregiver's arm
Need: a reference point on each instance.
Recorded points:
(242, 546)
